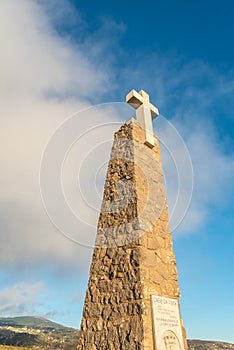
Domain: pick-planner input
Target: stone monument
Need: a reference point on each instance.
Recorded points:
(132, 300)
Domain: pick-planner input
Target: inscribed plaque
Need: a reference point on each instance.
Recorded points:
(167, 324)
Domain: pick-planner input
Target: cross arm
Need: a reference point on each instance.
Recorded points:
(136, 99)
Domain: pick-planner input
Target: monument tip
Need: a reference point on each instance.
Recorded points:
(145, 112)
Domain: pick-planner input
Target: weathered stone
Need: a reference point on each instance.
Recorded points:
(133, 258)
(155, 277)
(153, 243)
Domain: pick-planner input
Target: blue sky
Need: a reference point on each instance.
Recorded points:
(57, 60)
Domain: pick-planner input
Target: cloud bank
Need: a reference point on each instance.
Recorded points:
(20, 298)
(43, 80)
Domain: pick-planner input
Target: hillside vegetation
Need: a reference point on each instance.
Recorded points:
(37, 333)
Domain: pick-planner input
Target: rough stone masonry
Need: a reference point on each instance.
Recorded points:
(133, 260)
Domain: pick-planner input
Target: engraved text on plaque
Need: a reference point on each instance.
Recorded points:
(167, 324)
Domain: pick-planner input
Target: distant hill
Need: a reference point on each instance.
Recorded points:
(209, 345)
(31, 332)
(37, 332)
(31, 322)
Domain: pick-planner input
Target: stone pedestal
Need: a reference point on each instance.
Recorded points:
(132, 300)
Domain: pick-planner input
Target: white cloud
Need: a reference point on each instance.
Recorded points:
(35, 60)
(43, 80)
(20, 298)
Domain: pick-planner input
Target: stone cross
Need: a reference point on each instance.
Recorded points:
(145, 113)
